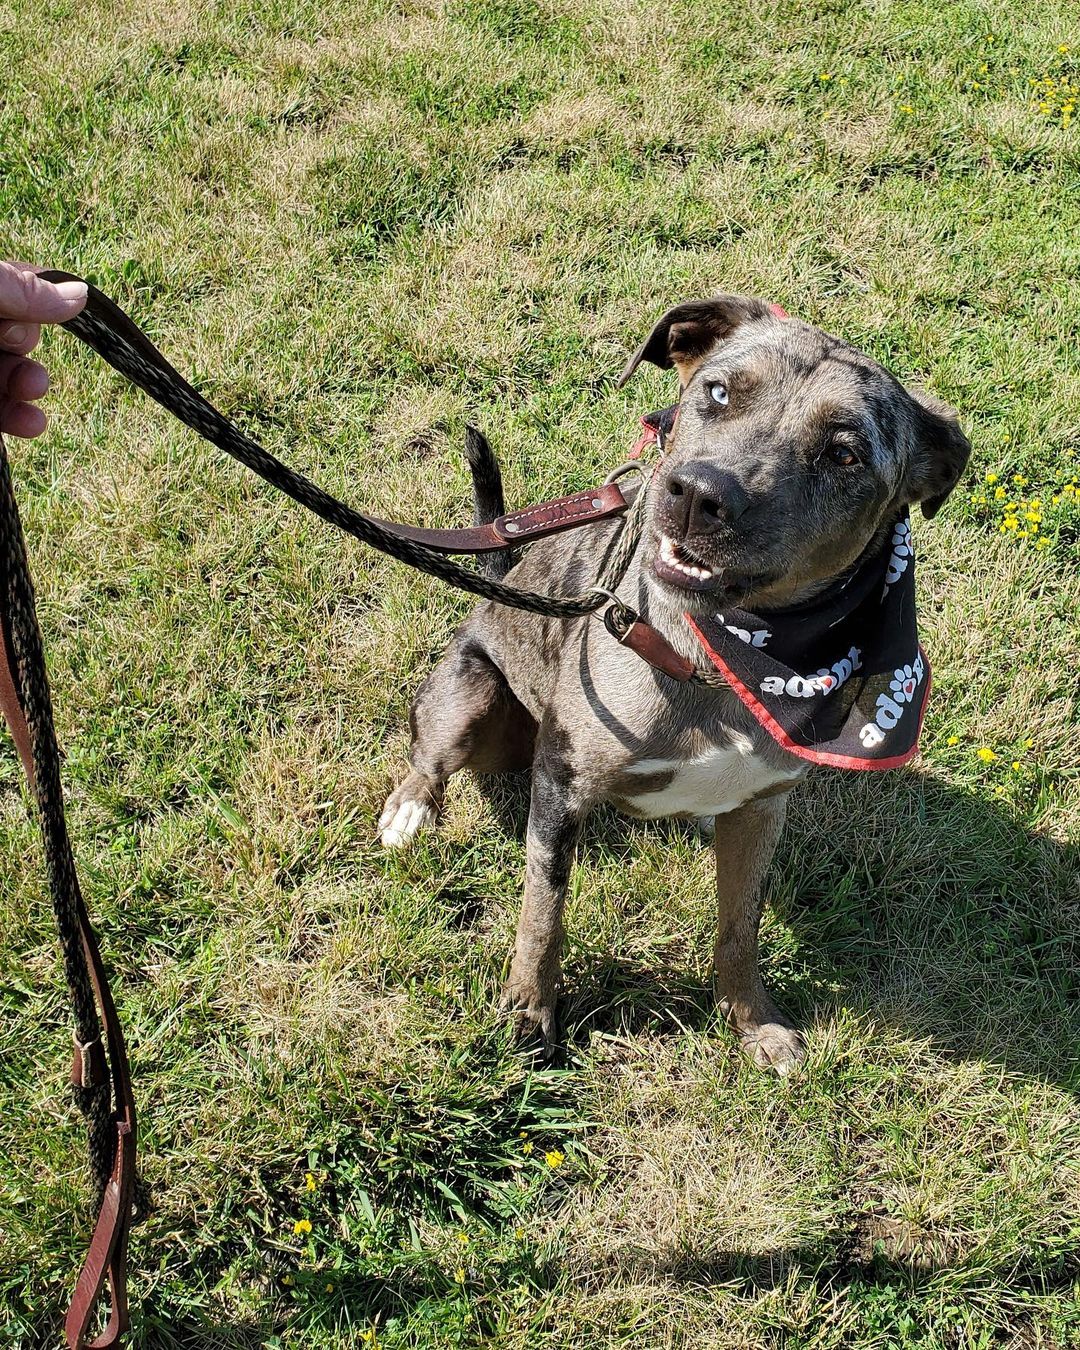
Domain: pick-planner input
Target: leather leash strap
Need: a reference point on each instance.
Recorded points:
(102, 1082)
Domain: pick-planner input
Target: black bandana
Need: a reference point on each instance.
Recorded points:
(840, 680)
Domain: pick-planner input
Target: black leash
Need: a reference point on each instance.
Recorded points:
(100, 1075)
(105, 328)
(101, 1080)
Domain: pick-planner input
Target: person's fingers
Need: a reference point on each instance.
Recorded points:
(21, 379)
(21, 419)
(24, 295)
(19, 337)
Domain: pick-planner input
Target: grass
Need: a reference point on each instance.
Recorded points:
(359, 227)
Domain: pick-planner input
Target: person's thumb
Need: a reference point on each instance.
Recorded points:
(26, 296)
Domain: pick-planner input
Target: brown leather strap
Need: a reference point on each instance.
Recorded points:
(519, 527)
(107, 1258)
(653, 647)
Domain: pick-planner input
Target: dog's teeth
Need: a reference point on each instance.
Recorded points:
(673, 556)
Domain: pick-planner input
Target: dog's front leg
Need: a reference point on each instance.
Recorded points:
(745, 841)
(555, 816)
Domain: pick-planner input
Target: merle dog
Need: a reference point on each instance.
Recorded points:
(792, 454)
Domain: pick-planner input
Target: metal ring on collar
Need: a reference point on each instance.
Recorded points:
(628, 466)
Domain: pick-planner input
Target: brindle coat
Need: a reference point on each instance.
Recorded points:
(792, 455)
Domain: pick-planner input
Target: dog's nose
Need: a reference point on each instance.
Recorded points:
(703, 497)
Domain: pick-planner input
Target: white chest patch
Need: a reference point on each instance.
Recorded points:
(717, 781)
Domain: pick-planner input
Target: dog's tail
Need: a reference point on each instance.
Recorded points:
(488, 500)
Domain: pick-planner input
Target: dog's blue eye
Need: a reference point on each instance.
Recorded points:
(719, 394)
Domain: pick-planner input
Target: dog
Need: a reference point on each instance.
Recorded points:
(791, 456)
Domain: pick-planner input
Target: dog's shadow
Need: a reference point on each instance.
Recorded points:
(926, 906)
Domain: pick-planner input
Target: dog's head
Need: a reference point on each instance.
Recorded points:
(791, 452)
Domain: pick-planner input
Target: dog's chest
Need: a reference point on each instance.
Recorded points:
(717, 779)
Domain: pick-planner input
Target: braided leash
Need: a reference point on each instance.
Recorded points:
(101, 1082)
(101, 1078)
(105, 328)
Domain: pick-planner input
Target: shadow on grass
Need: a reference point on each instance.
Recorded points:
(928, 905)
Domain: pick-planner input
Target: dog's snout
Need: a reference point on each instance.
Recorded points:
(702, 497)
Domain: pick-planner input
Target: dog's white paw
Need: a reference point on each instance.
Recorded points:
(403, 820)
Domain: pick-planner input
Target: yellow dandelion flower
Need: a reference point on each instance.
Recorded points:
(302, 1226)
(1063, 49)
(329, 1288)
(1016, 766)
(463, 1238)
(519, 1233)
(1043, 542)
(554, 1158)
(309, 1181)
(1020, 480)
(991, 477)
(906, 108)
(986, 754)
(459, 1275)
(1029, 744)
(527, 1148)
(999, 494)
(953, 740)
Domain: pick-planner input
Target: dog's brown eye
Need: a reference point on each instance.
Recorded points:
(843, 455)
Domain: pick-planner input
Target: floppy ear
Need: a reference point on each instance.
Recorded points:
(941, 452)
(687, 333)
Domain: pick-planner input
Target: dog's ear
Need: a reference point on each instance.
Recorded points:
(941, 453)
(687, 333)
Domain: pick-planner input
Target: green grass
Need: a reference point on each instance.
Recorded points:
(359, 227)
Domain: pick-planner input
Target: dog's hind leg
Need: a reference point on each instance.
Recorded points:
(464, 716)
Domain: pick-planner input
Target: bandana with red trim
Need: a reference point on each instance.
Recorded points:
(841, 680)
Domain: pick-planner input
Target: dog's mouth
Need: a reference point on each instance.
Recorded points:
(678, 566)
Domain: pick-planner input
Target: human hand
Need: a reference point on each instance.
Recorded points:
(26, 302)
